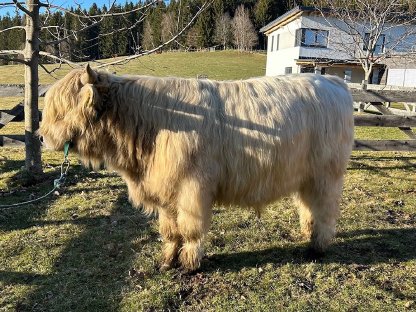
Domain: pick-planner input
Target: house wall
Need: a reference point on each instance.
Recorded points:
(401, 77)
(287, 53)
(340, 46)
(357, 74)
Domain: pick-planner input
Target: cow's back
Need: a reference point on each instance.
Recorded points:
(277, 132)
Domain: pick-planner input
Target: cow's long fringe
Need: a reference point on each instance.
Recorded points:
(182, 144)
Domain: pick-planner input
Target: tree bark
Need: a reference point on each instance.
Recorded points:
(33, 162)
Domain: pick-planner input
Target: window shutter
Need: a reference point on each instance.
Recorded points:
(288, 70)
(277, 41)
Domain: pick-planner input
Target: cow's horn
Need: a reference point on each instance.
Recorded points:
(90, 76)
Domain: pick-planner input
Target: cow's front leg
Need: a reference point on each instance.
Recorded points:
(194, 219)
(168, 229)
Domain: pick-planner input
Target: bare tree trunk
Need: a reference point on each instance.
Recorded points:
(31, 54)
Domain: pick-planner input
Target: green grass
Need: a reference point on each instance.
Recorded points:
(216, 65)
(87, 249)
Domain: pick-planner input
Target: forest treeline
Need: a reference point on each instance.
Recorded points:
(225, 24)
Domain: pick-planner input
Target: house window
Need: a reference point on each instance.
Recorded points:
(272, 44)
(379, 47)
(288, 70)
(307, 37)
(347, 75)
(307, 69)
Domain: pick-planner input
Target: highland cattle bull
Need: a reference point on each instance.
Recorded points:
(182, 145)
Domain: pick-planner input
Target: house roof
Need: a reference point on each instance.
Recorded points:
(298, 11)
(289, 15)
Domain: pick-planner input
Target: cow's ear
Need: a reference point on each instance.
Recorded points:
(88, 96)
(89, 76)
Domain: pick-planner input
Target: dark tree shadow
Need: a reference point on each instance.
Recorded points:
(26, 216)
(364, 247)
(382, 167)
(92, 268)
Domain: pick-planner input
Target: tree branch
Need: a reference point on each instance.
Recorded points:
(86, 16)
(363, 23)
(5, 57)
(11, 52)
(58, 58)
(132, 57)
(51, 72)
(22, 8)
(11, 28)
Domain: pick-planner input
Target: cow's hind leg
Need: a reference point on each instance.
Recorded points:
(319, 209)
(194, 218)
(168, 229)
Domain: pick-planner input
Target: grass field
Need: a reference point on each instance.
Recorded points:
(216, 65)
(87, 249)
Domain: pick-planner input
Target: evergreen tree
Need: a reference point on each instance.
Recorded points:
(120, 42)
(262, 17)
(122, 35)
(204, 29)
(92, 49)
(106, 40)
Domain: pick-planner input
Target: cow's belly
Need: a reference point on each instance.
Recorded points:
(258, 181)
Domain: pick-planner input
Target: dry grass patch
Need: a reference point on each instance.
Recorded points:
(87, 249)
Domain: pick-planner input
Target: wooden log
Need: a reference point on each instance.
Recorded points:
(388, 111)
(385, 145)
(12, 140)
(373, 109)
(15, 114)
(376, 87)
(11, 90)
(384, 121)
(8, 90)
(361, 95)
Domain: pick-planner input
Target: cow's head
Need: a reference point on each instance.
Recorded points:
(71, 106)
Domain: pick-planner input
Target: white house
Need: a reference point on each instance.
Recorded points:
(303, 40)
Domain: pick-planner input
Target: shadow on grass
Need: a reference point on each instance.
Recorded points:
(384, 166)
(20, 189)
(362, 247)
(357, 165)
(375, 156)
(380, 163)
(26, 216)
(93, 267)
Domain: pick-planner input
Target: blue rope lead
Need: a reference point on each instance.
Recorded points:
(57, 183)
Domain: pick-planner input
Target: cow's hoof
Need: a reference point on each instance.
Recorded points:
(314, 254)
(190, 257)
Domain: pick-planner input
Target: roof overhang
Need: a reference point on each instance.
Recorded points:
(296, 12)
(288, 17)
(330, 63)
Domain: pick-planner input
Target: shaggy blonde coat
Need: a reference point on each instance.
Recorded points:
(182, 145)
